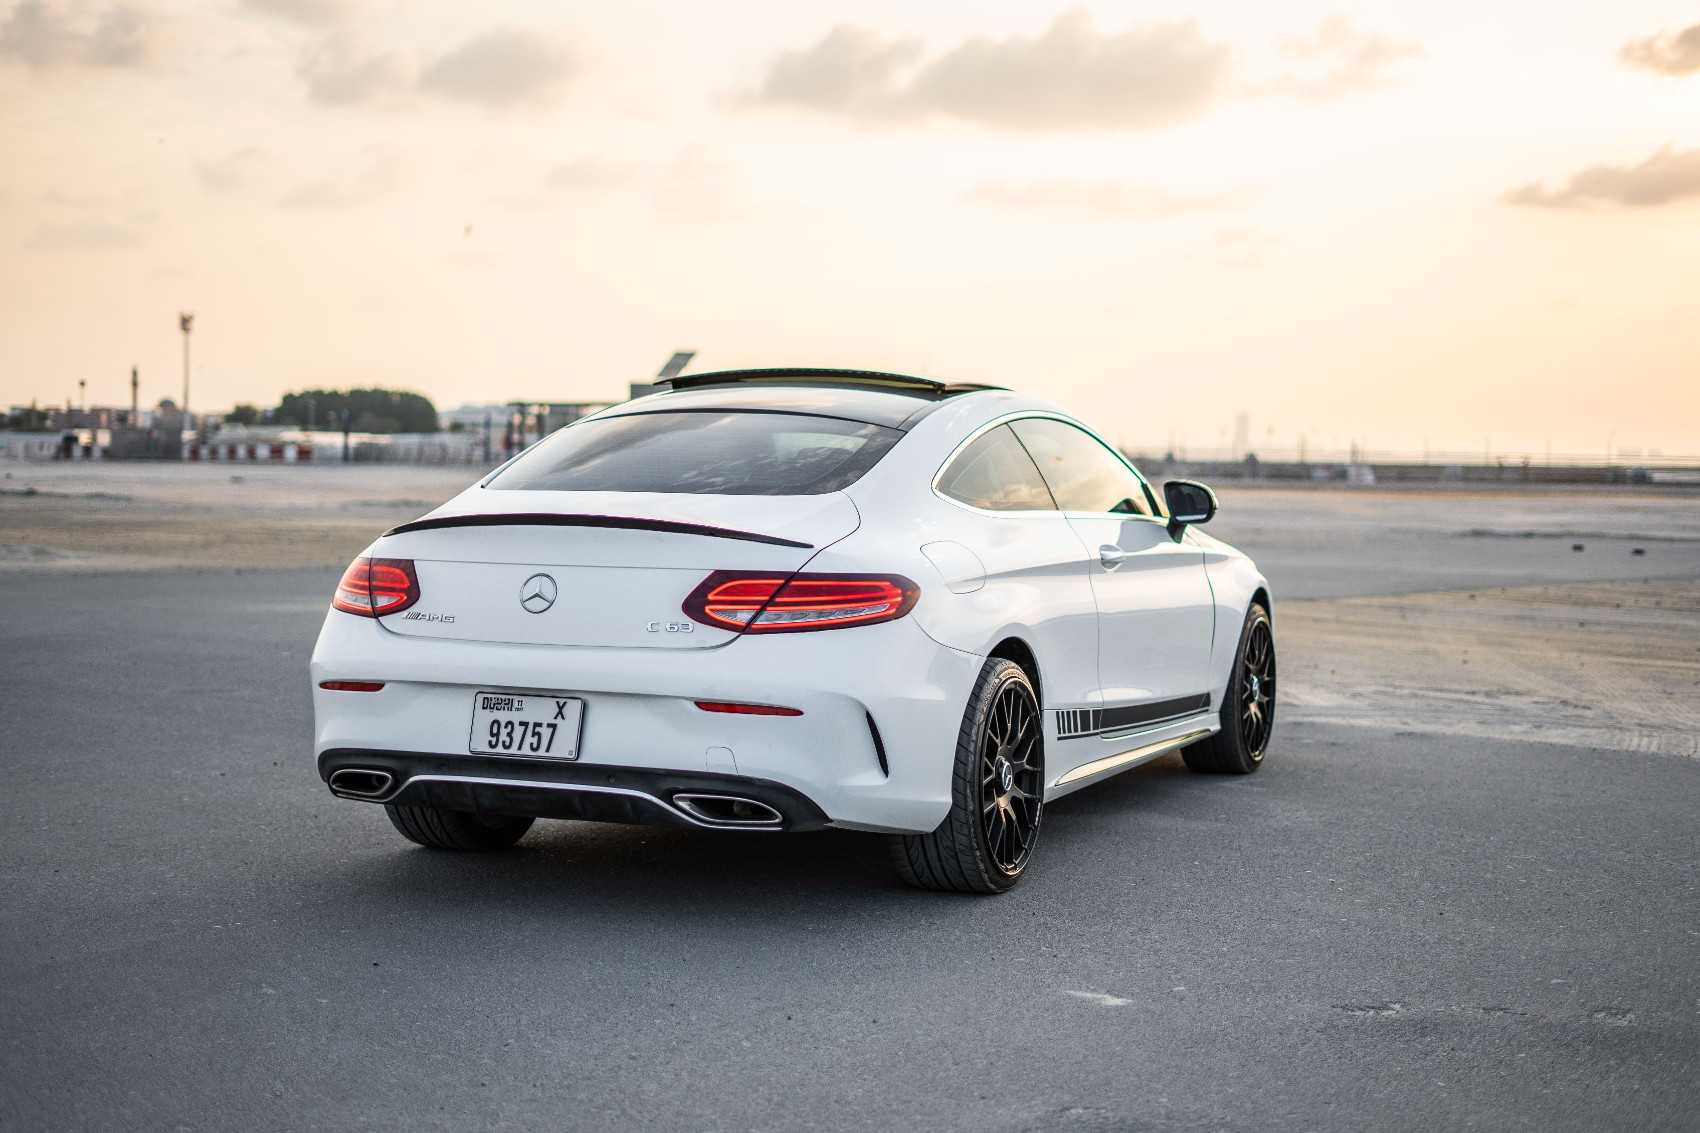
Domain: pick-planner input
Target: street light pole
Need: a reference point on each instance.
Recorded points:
(186, 320)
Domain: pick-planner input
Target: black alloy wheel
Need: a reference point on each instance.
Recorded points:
(1248, 708)
(997, 793)
(1257, 688)
(1010, 787)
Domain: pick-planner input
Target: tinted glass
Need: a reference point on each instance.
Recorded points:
(1082, 474)
(716, 453)
(996, 473)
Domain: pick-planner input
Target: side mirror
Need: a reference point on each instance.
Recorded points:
(1189, 502)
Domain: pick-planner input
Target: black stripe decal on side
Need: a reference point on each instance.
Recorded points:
(1072, 723)
(1129, 715)
(618, 522)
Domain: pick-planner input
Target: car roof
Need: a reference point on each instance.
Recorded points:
(896, 401)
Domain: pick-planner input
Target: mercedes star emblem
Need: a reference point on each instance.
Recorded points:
(538, 593)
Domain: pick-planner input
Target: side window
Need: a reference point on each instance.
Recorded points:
(1082, 473)
(996, 473)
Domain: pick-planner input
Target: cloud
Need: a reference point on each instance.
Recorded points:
(1340, 59)
(82, 236)
(696, 186)
(1668, 176)
(376, 181)
(588, 173)
(79, 200)
(343, 72)
(501, 69)
(313, 13)
(45, 37)
(594, 171)
(1667, 53)
(1243, 247)
(699, 186)
(1070, 77)
(232, 172)
(506, 67)
(852, 69)
(1107, 197)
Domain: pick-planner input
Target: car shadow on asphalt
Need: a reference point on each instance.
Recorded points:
(574, 865)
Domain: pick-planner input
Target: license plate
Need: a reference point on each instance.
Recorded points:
(523, 723)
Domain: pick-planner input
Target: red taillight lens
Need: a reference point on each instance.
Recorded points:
(352, 686)
(375, 587)
(767, 603)
(747, 709)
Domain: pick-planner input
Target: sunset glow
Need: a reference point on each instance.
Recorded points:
(1445, 225)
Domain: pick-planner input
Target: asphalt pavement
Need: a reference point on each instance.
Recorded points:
(1376, 931)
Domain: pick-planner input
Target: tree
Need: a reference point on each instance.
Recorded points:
(25, 420)
(243, 414)
(369, 410)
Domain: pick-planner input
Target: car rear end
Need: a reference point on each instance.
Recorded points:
(554, 644)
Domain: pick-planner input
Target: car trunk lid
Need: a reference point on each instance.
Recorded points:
(596, 569)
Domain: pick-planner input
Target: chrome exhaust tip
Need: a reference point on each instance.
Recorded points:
(360, 783)
(727, 810)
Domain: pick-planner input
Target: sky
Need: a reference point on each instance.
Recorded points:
(1447, 227)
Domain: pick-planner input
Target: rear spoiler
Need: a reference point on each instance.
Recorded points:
(873, 379)
(619, 522)
(926, 388)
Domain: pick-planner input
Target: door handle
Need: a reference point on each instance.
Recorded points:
(1112, 556)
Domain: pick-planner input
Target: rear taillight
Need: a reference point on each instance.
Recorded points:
(375, 587)
(767, 603)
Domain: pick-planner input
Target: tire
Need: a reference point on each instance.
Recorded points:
(1248, 707)
(456, 829)
(997, 793)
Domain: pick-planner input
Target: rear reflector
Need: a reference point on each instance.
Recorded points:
(766, 603)
(375, 587)
(352, 686)
(747, 709)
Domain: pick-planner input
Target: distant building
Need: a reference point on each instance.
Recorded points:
(527, 417)
(473, 416)
(92, 417)
(559, 416)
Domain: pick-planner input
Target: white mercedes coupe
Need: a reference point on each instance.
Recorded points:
(778, 600)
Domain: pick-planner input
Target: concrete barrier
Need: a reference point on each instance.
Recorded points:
(248, 452)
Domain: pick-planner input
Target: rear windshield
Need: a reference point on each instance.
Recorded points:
(735, 453)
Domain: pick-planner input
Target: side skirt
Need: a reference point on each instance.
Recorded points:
(1103, 767)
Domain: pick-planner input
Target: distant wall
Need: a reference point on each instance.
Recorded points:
(1366, 473)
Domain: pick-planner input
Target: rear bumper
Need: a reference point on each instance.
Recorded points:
(553, 789)
(640, 713)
